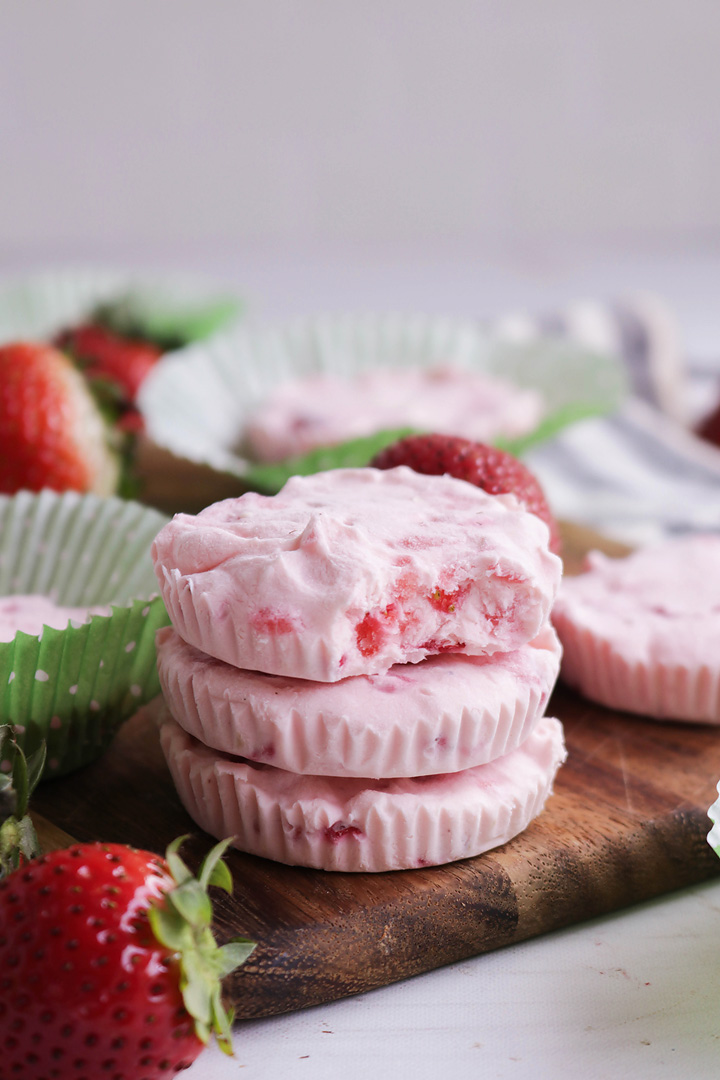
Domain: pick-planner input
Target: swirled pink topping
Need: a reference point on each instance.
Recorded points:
(351, 571)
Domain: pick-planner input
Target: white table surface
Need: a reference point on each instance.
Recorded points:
(634, 994)
(630, 995)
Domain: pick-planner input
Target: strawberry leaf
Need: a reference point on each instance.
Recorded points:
(233, 954)
(18, 839)
(182, 922)
(165, 322)
(352, 454)
(192, 903)
(213, 870)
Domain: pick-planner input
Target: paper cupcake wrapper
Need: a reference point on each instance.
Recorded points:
(714, 815)
(74, 687)
(661, 691)
(444, 714)
(364, 825)
(197, 404)
(39, 306)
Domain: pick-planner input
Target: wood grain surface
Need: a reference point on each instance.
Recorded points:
(628, 821)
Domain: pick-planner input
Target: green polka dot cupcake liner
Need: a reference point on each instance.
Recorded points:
(75, 687)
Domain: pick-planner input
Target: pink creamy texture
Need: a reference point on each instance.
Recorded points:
(351, 571)
(444, 714)
(643, 633)
(323, 409)
(30, 613)
(364, 825)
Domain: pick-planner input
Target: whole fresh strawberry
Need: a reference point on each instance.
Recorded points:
(52, 433)
(105, 355)
(495, 471)
(108, 966)
(709, 429)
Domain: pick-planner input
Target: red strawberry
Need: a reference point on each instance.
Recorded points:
(103, 354)
(108, 966)
(493, 470)
(709, 429)
(52, 433)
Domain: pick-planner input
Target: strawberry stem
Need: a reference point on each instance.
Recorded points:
(183, 923)
(18, 839)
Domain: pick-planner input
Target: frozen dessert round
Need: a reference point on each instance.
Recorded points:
(353, 824)
(323, 409)
(30, 613)
(350, 571)
(642, 633)
(444, 714)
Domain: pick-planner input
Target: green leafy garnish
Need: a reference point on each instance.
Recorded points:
(550, 426)
(169, 324)
(18, 839)
(348, 455)
(183, 923)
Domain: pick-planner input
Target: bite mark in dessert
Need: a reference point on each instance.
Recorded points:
(357, 600)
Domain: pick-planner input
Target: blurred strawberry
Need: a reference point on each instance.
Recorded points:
(52, 433)
(495, 471)
(103, 354)
(709, 429)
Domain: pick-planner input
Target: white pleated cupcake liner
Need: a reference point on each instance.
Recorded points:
(361, 825)
(75, 687)
(442, 715)
(197, 404)
(38, 306)
(714, 815)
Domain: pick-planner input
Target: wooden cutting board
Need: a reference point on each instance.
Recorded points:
(628, 821)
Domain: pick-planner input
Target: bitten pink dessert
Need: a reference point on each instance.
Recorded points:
(445, 714)
(324, 409)
(30, 613)
(352, 571)
(642, 634)
(361, 825)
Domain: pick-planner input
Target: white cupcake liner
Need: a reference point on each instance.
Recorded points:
(38, 306)
(74, 687)
(714, 815)
(442, 715)
(362, 825)
(197, 405)
(663, 691)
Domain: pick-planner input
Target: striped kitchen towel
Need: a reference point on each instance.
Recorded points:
(640, 329)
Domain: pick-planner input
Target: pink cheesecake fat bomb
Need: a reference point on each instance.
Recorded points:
(29, 613)
(444, 714)
(324, 409)
(357, 825)
(642, 633)
(351, 571)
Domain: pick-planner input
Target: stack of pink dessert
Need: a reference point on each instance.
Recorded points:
(358, 669)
